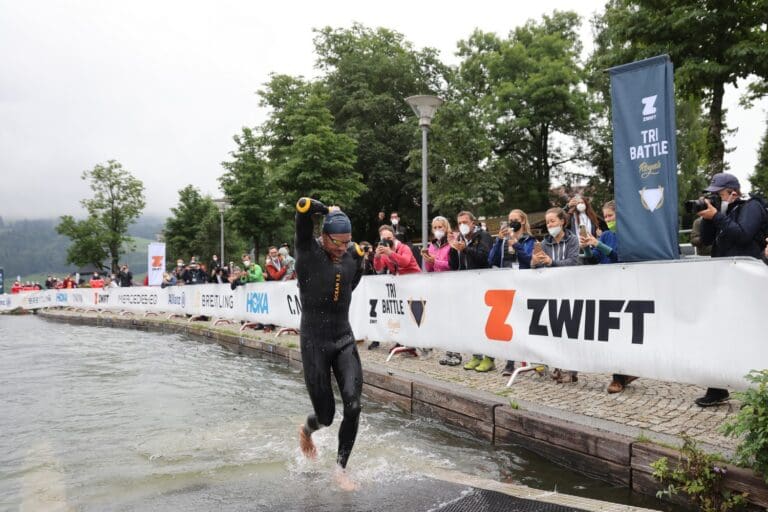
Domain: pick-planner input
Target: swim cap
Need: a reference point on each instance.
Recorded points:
(337, 222)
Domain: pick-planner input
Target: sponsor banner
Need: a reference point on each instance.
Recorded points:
(155, 263)
(698, 322)
(645, 159)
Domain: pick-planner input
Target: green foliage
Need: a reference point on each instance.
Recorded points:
(751, 424)
(257, 206)
(759, 179)
(710, 43)
(691, 154)
(522, 95)
(194, 229)
(700, 476)
(118, 199)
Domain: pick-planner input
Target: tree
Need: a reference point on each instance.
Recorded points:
(524, 92)
(711, 42)
(194, 229)
(256, 211)
(118, 199)
(759, 179)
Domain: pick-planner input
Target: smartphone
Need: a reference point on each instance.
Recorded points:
(537, 247)
(582, 230)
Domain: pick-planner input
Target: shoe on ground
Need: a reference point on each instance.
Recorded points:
(710, 400)
(455, 359)
(444, 360)
(485, 365)
(509, 369)
(373, 345)
(615, 387)
(472, 364)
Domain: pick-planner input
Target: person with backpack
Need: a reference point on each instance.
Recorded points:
(733, 226)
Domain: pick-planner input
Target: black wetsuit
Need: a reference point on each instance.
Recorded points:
(327, 342)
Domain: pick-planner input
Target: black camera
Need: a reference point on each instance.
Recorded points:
(697, 205)
(386, 242)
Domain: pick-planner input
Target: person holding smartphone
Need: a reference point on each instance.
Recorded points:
(393, 256)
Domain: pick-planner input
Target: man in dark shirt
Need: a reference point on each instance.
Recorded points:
(328, 270)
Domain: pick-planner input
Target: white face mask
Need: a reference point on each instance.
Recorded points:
(439, 234)
(394, 221)
(581, 207)
(554, 231)
(724, 207)
(464, 229)
(246, 263)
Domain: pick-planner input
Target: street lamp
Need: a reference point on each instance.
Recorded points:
(222, 204)
(424, 106)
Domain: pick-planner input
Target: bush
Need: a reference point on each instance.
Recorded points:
(700, 476)
(751, 422)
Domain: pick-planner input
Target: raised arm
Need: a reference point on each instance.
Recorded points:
(305, 208)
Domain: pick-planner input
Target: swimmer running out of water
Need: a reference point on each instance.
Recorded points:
(328, 269)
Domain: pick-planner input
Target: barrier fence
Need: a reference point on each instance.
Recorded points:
(700, 322)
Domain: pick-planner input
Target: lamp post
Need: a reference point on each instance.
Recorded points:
(222, 204)
(424, 106)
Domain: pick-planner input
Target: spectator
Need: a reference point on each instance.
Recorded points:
(393, 256)
(288, 261)
(215, 263)
(512, 249)
(220, 275)
(274, 264)
(436, 259)
(50, 282)
(113, 283)
(193, 274)
(580, 212)
(765, 252)
(701, 249)
(96, 281)
(732, 226)
(169, 279)
(251, 273)
(469, 250)
(125, 276)
(605, 250)
(368, 255)
(69, 282)
(560, 248)
(399, 230)
(178, 272)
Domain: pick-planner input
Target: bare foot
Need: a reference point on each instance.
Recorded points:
(306, 445)
(343, 480)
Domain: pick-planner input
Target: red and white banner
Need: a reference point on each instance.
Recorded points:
(700, 321)
(155, 263)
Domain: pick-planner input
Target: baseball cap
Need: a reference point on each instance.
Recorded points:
(723, 180)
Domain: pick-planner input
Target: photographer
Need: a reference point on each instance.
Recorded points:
(393, 256)
(731, 225)
(125, 276)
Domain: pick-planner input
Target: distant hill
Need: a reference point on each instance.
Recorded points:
(33, 248)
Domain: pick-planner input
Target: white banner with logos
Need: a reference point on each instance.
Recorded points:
(155, 263)
(700, 322)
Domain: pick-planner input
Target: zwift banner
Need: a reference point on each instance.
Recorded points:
(645, 159)
(644, 319)
(155, 263)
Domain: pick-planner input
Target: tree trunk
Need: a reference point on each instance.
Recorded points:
(715, 144)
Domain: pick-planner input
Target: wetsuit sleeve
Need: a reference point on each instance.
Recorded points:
(305, 208)
(357, 253)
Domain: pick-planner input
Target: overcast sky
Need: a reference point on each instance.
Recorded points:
(162, 86)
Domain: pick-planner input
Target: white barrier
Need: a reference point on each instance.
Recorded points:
(700, 322)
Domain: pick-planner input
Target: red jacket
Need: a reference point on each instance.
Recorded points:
(274, 274)
(400, 262)
(97, 283)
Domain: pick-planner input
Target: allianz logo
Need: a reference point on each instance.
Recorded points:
(176, 299)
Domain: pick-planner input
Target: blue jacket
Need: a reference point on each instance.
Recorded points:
(500, 257)
(736, 232)
(606, 250)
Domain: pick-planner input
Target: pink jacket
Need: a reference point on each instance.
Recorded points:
(400, 262)
(441, 257)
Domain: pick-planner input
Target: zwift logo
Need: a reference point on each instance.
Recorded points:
(649, 107)
(257, 302)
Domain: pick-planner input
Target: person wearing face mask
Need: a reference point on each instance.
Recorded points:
(397, 226)
(733, 229)
(469, 251)
(252, 273)
(328, 270)
(560, 248)
(512, 248)
(393, 256)
(580, 212)
(605, 251)
(435, 257)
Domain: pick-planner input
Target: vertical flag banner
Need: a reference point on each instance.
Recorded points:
(155, 263)
(645, 159)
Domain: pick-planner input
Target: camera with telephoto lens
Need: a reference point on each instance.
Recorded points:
(386, 242)
(697, 205)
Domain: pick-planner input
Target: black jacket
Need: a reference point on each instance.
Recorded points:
(736, 232)
(475, 255)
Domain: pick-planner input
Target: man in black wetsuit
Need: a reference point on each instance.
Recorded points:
(328, 269)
